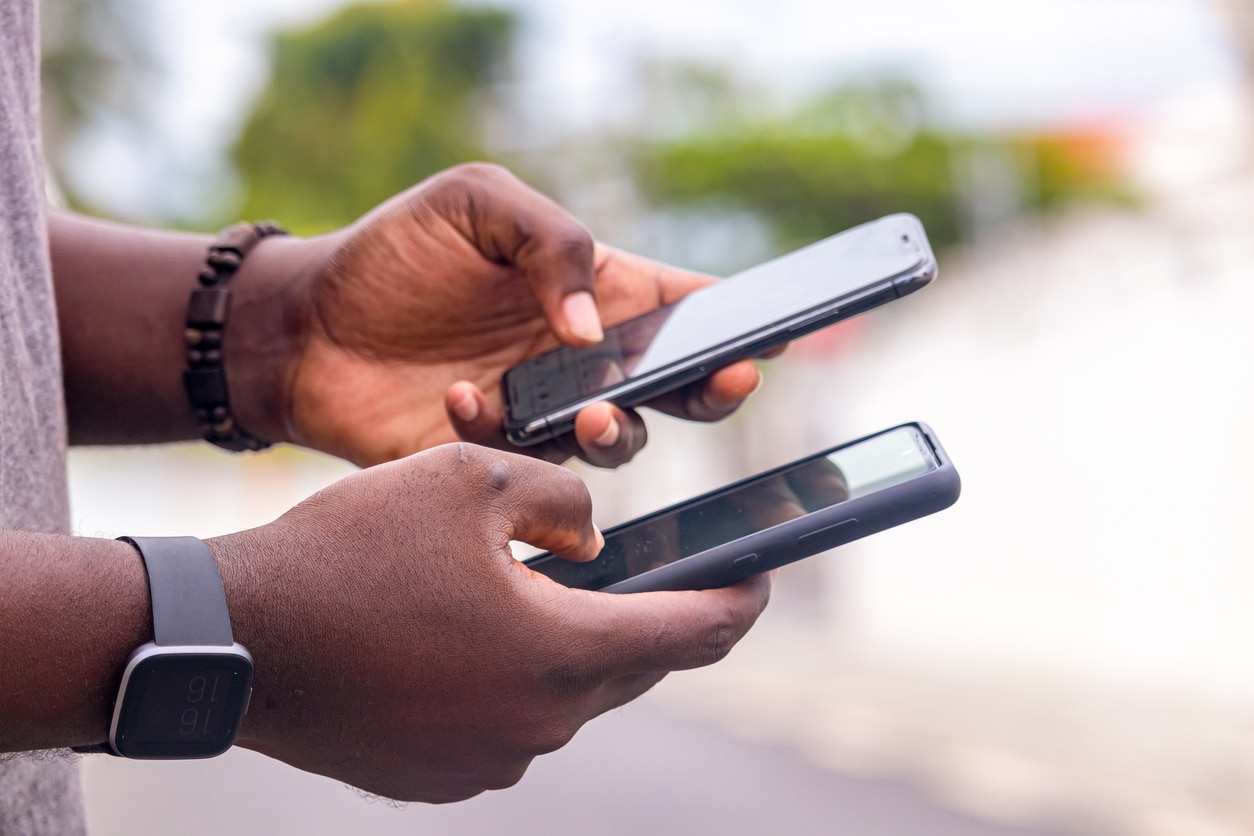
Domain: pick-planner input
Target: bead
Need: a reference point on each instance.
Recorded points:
(205, 387)
(207, 314)
(208, 307)
(239, 238)
(224, 260)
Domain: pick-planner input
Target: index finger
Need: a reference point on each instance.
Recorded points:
(545, 505)
(511, 223)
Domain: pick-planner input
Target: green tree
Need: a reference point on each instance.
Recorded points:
(367, 103)
(853, 154)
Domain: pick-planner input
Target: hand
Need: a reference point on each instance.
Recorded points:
(418, 309)
(401, 648)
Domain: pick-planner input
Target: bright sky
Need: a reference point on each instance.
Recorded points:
(990, 59)
(986, 61)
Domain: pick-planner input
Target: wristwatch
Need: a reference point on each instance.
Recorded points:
(185, 693)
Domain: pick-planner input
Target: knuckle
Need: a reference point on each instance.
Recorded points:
(475, 173)
(574, 244)
(578, 496)
(505, 776)
(537, 476)
(544, 738)
(498, 476)
(452, 793)
(450, 458)
(721, 634)
(458, 466)
(730, 623)
(566, 540)
(464, 455)
(492, 471)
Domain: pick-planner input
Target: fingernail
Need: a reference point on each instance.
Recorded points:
(608, 438)
(582, 319)
(466, 408)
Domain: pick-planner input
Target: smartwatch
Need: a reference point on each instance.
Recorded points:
(185, 693)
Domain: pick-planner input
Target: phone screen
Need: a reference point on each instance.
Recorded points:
(876, 463)
(745, 304)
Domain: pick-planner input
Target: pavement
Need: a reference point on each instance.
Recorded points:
(641, 769)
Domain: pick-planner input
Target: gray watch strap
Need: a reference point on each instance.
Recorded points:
(188, 601)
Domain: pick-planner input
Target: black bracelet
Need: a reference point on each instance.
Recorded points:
(207, 314)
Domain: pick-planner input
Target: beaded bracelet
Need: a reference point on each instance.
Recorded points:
(207, 314)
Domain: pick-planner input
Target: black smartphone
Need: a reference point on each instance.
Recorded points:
(739, 317)
(774, 518)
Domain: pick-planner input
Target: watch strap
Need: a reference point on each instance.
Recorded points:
(188, 600)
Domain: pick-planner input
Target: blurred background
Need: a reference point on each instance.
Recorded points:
(1067, 650)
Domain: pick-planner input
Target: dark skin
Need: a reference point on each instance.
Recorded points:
(509, 665)
(399, 646)
(418, 661)
(384, 338)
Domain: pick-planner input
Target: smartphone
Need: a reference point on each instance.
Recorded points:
(774, 518)
(738, 317)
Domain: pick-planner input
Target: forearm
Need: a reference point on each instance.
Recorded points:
(73, 609)
(122, 296)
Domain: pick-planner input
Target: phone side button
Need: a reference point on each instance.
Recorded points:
(742, 562)
(841, 528)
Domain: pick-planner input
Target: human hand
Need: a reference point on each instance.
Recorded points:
(416, 311)
(401, 648)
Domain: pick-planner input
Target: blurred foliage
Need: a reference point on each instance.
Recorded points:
(96, 64)
(856, 153)
(380, 96)
(368, 102)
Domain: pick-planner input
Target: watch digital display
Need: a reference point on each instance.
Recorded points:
(182, 704)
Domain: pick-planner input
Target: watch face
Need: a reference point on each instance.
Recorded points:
(182, 702)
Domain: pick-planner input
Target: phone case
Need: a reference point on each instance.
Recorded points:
(795, 539)
(525, 431)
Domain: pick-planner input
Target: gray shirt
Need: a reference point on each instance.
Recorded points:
(38, 793)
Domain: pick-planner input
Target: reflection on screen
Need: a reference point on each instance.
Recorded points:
(876, 463)
(567, 375)
(722, 313)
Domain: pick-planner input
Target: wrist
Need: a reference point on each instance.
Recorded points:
(130, 624)
(255, 597)
(74, 608)
(184, 691)
(269, 325)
